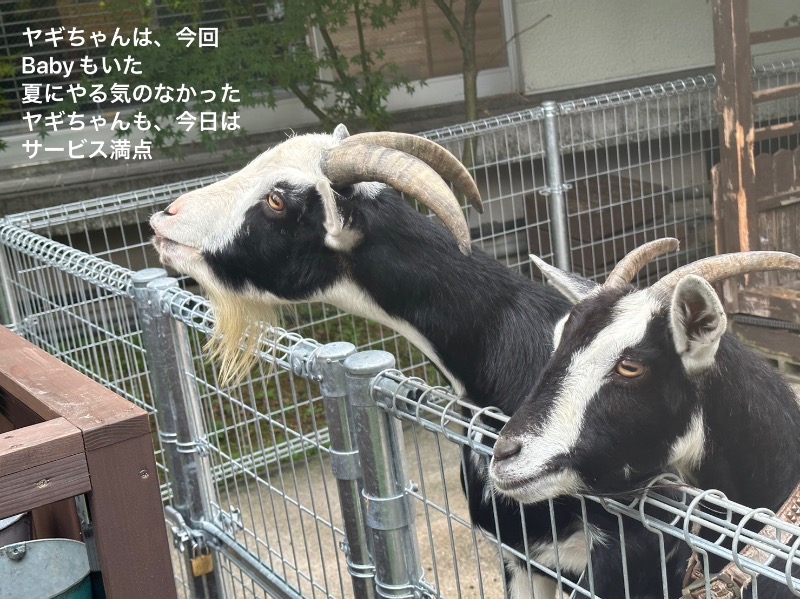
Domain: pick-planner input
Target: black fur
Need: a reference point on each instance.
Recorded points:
(491, 327)
(751, 418)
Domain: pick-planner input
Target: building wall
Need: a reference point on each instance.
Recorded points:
(584, 42)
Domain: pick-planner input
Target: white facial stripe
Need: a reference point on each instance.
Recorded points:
(585, 376)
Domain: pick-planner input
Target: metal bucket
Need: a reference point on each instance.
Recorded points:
(15, 529)
(45, 569)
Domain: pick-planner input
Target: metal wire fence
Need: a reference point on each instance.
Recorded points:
(631, 167)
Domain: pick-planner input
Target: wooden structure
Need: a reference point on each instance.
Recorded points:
(62, 435)
(756, 197)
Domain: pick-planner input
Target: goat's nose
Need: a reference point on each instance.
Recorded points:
(506, 448)
(176, 206)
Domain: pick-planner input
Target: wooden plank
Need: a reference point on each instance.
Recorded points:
(17, 412)
(779, 130)
(131, 538)
(51, 389)
(774, 35)
(763, 186)
(46, 483)
(39, 444)
(778, 200)
(776, 93)
(58, 520)
(780, 303)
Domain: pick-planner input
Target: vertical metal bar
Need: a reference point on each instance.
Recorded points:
(555, 185)
(346, 465)
(168, 356)
(9, 314)
(390, 515)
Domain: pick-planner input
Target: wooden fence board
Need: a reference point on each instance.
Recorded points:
(46, 483)
(24, 448)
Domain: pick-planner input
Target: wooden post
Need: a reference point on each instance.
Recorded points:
(736, 221)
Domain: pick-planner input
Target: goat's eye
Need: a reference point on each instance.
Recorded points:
(630, 369)
(275, 202)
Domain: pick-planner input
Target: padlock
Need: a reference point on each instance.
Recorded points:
(202, 564)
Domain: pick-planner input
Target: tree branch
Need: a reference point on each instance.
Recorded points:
(447, 10)
(504, 45)
(308, 102)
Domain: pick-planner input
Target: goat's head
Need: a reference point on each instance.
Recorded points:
(276, 232)
(621, 397)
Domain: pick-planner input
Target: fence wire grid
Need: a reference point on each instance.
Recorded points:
(634, 167)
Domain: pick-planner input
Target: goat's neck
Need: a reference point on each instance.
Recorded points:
(486, 327)
(752, 418)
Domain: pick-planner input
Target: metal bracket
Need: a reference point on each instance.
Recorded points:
(346, 465)
(547, 190)
(389, 513)
(184, 537)
(301, 359)
(230, 521)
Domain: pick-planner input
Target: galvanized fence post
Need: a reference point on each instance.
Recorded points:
(346, 465)
(390, 515)
(169, 362)
(559, 232)
(8, 305)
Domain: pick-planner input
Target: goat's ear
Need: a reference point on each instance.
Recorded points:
(340, 133)
(698, 321)
(337, 237)
(575, 288)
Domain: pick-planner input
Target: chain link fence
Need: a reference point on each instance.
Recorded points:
(263, 474)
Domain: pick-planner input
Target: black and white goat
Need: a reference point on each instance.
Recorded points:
(304, 222)
(645, 382)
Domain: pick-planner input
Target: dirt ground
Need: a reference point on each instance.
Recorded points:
(293, 520)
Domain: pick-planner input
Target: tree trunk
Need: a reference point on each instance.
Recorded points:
(470, 64)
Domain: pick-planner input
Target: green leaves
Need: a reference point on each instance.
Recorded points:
(294, 47)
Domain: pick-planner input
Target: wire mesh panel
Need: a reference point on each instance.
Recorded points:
(267, 445)
(74, 306)
(658, 529)
(635, 166)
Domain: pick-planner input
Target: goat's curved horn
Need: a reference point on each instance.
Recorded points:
(717, 268)
(635, 260)
(351, 163)
(434, 155)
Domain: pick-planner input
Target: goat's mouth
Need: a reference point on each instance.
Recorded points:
(545, 484)
(171, 252)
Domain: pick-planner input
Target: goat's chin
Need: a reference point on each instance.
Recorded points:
(240, 328)
(540, 488)
(182, 258)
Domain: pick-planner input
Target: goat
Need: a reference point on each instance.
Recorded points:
(649, 381)
(304, 222)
